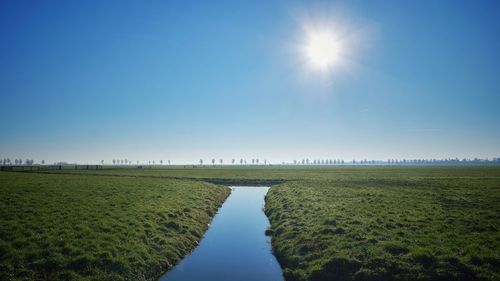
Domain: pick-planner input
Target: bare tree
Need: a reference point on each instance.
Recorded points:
(241, 161)
(232, 161)
(221, 161)
(201, 162)
(213, 162)
(161, 162)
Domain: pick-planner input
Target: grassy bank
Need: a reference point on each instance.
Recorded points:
(66, 227)
(411, 224)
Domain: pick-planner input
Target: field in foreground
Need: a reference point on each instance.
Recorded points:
(66, 227)
(431, 226)
(327, 223)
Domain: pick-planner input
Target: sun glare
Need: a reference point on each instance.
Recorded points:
(322, 49)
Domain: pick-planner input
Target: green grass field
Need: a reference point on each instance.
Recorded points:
(440, 224)
(327, 223)
(293, 172)
(65, 227)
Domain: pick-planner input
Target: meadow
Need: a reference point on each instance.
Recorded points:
(327, 223)
(431, 226)
(288, 173)
(66, 227)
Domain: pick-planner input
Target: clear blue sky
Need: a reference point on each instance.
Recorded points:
(90, 80)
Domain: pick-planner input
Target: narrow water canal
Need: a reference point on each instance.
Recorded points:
(235, 246)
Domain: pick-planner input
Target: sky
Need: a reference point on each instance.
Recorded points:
(84, 81)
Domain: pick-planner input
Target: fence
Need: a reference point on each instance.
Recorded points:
(35, 168)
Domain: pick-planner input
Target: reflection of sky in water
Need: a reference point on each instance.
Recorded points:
(234, 247)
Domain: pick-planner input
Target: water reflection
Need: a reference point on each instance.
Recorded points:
(234, 247)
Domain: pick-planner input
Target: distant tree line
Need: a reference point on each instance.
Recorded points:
(305, 162)
(18, 162)
(234, 161)
(29, 162)
(137, 162)
(446, 161)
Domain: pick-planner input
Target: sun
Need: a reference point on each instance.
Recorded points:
(322, 49)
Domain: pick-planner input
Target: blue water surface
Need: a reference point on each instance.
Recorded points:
(235, 246)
